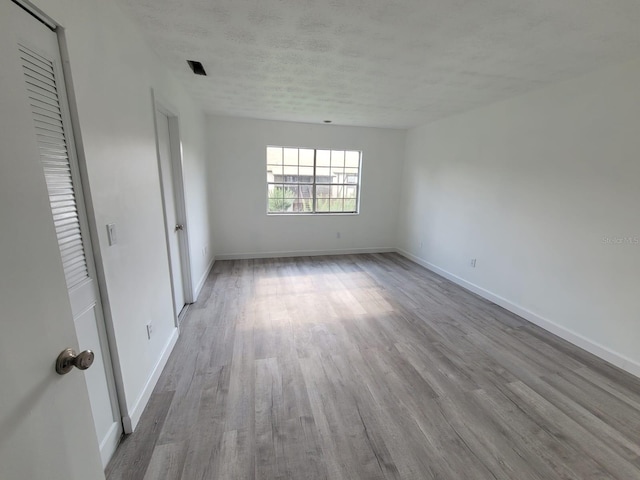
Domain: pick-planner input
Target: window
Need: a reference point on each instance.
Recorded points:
(308, 180)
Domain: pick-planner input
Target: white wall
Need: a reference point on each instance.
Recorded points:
(531, 187)
(112, 72)
(237, 151)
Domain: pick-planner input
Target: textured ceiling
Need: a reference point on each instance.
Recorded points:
(384, 63)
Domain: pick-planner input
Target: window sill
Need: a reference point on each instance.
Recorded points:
(328, 214)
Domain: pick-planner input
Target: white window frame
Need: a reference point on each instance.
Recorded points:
(314, 183)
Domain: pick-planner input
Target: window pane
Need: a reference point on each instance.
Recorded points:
(297, 205)
(322, 205)
(290, 156)
(323, 158)
(323, 175)
(350, 204)
(323, 191)
(275, 191)
(306, 157)
(290, 191)
(350, 192)
(276, 201)
(275, 170)
(337, 158)
(306, 191)
(337, 175)
(291, 171)
(336, 205)
(274, 155)
(306, 172)
(289, 198)
(352, 159)
(306, 204)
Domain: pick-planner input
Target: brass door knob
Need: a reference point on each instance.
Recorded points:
(69, 359)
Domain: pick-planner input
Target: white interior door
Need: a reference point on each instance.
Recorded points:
(45, 419)
(43, 97)
(175, 227)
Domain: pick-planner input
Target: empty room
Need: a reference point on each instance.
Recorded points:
(341, 239)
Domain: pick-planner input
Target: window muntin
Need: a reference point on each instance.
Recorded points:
(308, 181)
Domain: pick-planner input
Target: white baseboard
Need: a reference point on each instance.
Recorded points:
(130, 421)
(203, 279)
(303, 253)
(617, 359)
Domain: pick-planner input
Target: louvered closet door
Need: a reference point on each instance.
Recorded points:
(47, 115)
(45, 91)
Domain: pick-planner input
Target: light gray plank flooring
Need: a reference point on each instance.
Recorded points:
(371, 367)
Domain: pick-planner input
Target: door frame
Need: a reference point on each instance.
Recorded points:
(175, 144)
(77, 160)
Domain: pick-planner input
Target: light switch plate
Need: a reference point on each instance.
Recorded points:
(111, 234)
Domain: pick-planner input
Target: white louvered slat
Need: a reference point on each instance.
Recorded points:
(50, 120)
(51, 137)
(38, 86)
(43, 96)
(34, 59)
(56, 180)
(59, 188)
(49, 127)
(66, 230)
(35, 77)
(55, 166)
(68, 247)
(41, 67)
(63, 201)
(43, 99)
(52, 155)
(56, 163)
(71, 256)
(42, 108)
(36, 109)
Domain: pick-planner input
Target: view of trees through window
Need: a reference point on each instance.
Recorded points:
(308, 180)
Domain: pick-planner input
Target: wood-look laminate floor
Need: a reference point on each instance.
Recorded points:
(371, 367)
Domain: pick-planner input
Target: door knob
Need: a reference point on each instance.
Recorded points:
(179, 227)
(69, 359)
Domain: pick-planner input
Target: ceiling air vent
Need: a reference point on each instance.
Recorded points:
(196, 67)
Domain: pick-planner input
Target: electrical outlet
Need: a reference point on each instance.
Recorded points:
(473, 263)
(149, 330)
(205, 249)
(421, 245)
